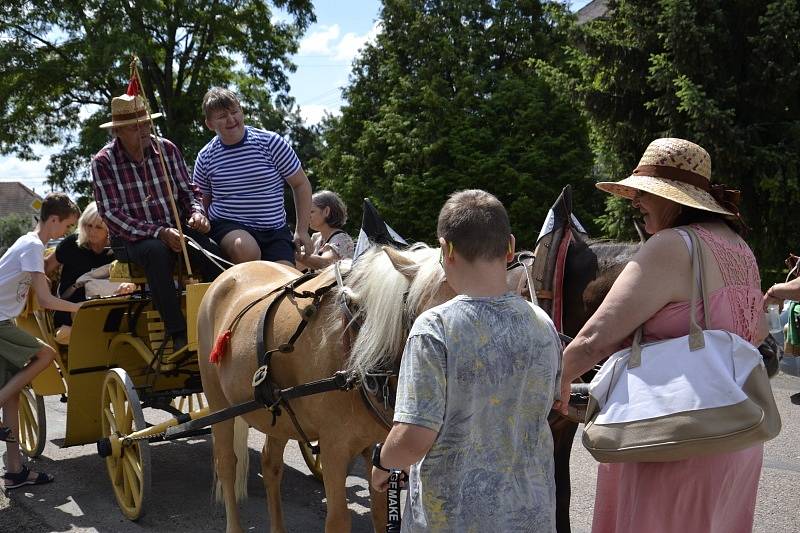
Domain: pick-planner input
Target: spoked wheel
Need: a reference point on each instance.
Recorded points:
(313, 460)
(122, 415)
(191, 402)
(32, 423)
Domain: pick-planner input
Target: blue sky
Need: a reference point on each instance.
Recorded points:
(323, 65)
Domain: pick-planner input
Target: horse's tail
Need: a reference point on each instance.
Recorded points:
(240, 434)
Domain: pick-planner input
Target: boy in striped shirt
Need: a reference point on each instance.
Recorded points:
(241, 174)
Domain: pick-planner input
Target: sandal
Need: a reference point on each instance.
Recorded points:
(6, 435)
(20, 479)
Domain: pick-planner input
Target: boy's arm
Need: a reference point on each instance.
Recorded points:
(45, 297)
(405, 445)
(420, 407)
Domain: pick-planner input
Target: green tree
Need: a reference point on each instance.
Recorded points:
(444, 100)
(12, 227)
(63, 58)
(723, 74)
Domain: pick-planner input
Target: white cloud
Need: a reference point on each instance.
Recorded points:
(351, 43)
(319, 42)
(313, 113)
(15, 169)
(31, 173)
(326, 42)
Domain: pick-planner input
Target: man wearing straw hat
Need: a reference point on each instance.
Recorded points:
(133, 192)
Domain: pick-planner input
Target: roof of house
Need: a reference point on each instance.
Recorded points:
(17, 198)
(593, 10)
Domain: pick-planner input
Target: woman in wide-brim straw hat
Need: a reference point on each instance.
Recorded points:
(671, 187)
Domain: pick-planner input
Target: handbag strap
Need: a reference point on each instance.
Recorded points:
(696, 338)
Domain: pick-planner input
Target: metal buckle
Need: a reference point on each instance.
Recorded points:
(385, 393)
(286, 348)
(342, 380)
(260, 375)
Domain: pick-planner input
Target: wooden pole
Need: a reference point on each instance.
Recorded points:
(175, 213)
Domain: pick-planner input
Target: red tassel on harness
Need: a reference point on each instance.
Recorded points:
(219, 347)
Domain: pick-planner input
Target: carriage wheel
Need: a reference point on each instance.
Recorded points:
(313, 460)
(122, 415)
(32, 423)
(190, 402)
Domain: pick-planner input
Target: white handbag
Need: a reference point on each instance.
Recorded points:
(704, 393)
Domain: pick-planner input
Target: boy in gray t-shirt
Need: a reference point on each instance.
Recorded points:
(477, 382)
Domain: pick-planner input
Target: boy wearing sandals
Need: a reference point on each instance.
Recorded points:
(23, 357)
(476, 384)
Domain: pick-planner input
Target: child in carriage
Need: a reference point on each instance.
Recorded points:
(23, 357)
(477, 381)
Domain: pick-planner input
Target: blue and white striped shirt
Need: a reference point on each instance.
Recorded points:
(245, 180)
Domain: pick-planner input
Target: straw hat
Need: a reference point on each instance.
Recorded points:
(127, 109)
(677, 170)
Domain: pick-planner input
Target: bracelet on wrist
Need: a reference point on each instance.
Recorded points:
(376, 458)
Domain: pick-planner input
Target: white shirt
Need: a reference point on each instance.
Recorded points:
(26, 255)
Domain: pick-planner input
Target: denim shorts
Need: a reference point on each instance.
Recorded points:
(276, 244)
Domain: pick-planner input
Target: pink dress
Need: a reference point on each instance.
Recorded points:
(714, 493)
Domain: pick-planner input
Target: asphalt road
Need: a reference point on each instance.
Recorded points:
(81, 499)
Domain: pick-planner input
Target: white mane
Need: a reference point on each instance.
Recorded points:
(376, 289)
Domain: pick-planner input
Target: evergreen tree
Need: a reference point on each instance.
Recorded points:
(724, 74)
(445, 100)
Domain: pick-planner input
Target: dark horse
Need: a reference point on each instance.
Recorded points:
(590, 269)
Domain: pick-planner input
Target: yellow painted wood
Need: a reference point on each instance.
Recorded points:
(194, 295)
(49, 382)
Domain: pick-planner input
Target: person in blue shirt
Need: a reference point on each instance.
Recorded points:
(241, 173)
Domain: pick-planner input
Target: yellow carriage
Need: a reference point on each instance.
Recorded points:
(116, 365)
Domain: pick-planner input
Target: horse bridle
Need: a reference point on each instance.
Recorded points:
(375, 383)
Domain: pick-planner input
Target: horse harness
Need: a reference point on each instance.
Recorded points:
(267, 393)
(378, 388)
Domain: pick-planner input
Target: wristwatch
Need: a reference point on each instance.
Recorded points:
(376, 457)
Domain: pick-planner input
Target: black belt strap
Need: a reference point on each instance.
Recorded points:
(341, 380)
(265, 390)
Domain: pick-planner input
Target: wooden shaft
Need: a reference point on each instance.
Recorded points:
(152, 431)
(172, 204)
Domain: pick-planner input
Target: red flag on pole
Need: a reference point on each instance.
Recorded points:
(133, 86)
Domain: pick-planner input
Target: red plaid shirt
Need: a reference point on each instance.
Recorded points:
(132, 198)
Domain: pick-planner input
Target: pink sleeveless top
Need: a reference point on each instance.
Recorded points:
(695, 494)
(735, 307)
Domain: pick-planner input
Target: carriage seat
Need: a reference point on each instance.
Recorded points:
(124, 272)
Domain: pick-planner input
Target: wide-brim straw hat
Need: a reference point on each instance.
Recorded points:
(675, 169)
(126, 110)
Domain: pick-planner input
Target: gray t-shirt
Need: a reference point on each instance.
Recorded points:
(482, 372)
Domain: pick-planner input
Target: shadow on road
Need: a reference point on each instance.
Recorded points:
(180, 499)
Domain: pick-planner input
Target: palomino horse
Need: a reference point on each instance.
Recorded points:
(387, 290)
